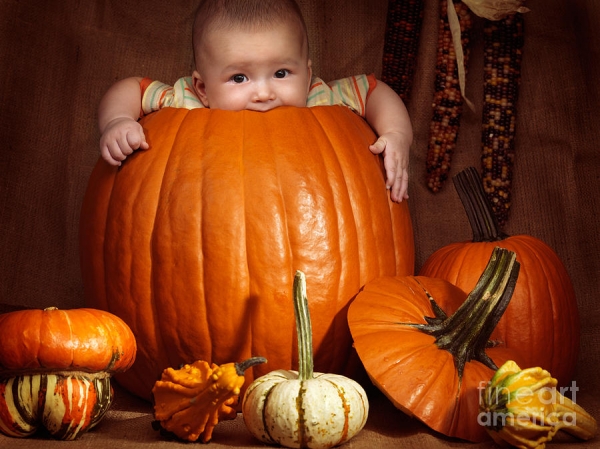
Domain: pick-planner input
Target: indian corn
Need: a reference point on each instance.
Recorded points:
(447, 100)
(402, 32)
(503, 43)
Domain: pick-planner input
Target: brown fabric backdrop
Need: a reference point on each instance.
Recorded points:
(57, 58)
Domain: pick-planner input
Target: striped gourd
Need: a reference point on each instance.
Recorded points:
(503, 43)
(65, 405)
(403, 28)
(447, 99)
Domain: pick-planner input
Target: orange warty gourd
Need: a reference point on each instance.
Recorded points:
(541, 324)
(195, 242)
(190, 401)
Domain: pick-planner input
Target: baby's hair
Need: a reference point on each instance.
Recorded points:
(245, 13)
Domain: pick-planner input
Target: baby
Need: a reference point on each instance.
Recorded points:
(253, 54)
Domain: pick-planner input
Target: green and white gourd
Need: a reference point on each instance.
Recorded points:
(304, 409)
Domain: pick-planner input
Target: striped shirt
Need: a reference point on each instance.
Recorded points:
(351, 92)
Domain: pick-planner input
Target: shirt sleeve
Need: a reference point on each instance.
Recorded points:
(157, 95)
(352, 92)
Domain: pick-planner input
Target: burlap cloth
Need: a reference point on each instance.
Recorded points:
(57, 58)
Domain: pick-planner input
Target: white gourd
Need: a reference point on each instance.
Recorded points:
(303, 409)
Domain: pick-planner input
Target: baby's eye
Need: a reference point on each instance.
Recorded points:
(238, 78)
(282, 73)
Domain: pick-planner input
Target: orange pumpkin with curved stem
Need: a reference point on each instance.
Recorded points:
(541, 324)
(195, 242)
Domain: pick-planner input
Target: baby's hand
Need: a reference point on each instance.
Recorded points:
(120, 138)
(395, 150)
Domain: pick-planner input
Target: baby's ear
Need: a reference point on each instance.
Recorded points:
(200, 88)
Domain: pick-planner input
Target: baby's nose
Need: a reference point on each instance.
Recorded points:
(264, 92)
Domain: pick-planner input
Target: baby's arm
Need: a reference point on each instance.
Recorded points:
(118, 113)
(387, 115)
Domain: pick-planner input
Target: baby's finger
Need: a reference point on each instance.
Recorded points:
(130, 142)
(112, 154)
(377, 147)
(400, 188)
(137, 140)
(143, 145)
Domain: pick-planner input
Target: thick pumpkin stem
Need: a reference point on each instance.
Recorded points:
(303, 328)
(466, 333)
(482, 219)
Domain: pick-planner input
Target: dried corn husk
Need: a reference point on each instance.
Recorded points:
(495, 9)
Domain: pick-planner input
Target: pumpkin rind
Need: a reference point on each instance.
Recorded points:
(194, 243)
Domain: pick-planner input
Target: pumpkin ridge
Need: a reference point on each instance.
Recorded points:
(346, 407)
(264, 413)
(268, 177)
(421, 403)
(174, 358)
(302, 437)
(330, 159)
(155, 166)
(15, 385)
(69, 326)
(536, 253)
(334, 173)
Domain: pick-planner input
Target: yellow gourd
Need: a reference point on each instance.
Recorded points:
(523, 408)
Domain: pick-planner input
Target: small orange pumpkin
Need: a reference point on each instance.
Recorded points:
(55, 369)
(195, 242)
(541, 324)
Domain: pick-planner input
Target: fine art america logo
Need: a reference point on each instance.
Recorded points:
(527, 405)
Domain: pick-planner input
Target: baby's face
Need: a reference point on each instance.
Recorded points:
(255, 70)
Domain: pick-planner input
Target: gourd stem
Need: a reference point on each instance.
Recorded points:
(303, 328)
(466, 333)
(574, 419)
(482, 219)
(243, 366)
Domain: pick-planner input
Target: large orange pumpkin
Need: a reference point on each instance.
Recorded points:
(195, 242)
(541, 324)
